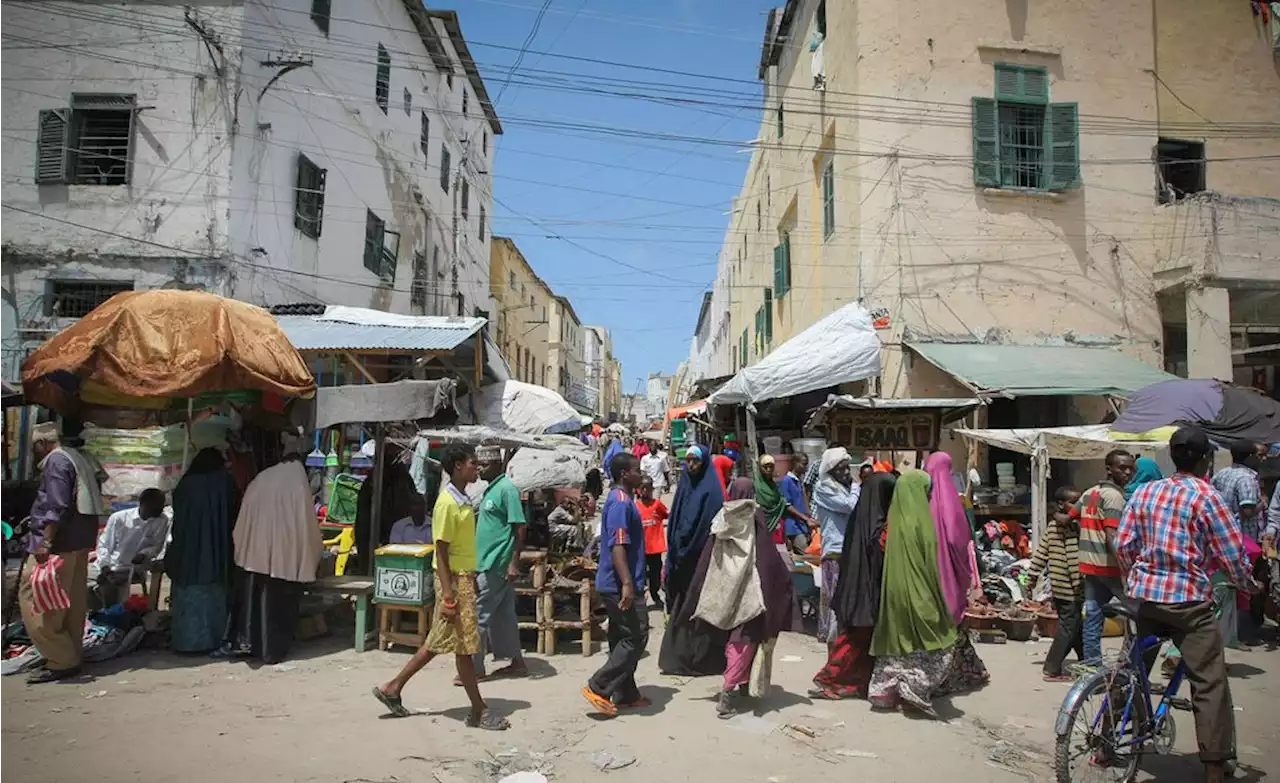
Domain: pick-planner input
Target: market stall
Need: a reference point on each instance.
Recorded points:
(521, 407)
(879, 428)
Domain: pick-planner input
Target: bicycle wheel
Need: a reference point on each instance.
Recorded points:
(1093, 743)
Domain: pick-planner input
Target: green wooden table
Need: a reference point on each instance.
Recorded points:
(359, 587)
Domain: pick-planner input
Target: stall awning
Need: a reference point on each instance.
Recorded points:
(692, 409)
(364, 330)
(951, 407)
(841, 348)
(1040, 370)
(381, 402)
(1091, 441)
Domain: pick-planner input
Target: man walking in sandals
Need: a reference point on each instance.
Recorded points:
(455, 627)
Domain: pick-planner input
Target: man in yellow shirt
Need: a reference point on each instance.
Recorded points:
(455, 627)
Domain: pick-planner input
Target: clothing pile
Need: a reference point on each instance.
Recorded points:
(1006, 536)
(108, 634)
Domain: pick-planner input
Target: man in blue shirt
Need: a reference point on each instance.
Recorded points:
(792, 489)
(620, 580)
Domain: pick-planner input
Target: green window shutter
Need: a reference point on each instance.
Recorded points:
(786, 264)
(780, 123)
(1022, 83)
(1062, 146)
(51, 146)
(778, 283)
(828, 200)
(743, 343)
(768, 316)
(986, 143)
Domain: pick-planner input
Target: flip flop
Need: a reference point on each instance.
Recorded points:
(600, 703)
(488, 721)
(1058, 678)
(822, 693)
(392, 703)
(479, 679)
(52, 675)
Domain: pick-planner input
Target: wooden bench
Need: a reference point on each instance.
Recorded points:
(358, 587)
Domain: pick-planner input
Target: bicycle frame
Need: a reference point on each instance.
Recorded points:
(1136, 664)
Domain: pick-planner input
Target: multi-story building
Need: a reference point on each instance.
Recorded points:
(565, 356)
(523, 304)
(604, 373)
(272, 151)
(1013, 174)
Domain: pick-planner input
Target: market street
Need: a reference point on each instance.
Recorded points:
(156, 716)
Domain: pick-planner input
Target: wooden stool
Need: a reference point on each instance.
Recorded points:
(390, 617)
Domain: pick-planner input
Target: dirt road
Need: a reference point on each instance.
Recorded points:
(154, 716)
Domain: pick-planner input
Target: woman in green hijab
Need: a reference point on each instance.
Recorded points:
(919, 651)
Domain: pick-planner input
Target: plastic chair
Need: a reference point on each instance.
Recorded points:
(345, 541)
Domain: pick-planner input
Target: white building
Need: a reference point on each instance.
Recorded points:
(283, 151)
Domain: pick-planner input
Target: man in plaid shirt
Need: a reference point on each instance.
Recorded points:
(1173, 534)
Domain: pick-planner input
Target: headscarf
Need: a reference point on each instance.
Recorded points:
(914, 616)
(831, 459)
(857, 598)
(204, 510)
(1145, 471)
(768, 497)
(698, 498)
(954, 534)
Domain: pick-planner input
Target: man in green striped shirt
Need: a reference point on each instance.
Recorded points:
(1059, 550)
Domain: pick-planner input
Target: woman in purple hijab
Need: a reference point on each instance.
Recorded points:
(954, 536)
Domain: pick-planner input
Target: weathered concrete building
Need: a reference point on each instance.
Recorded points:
(522, 308)
(604, 373)
(1060, 175)
(286, 151)
(566, 359)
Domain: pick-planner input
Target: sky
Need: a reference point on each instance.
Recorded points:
(629, 229)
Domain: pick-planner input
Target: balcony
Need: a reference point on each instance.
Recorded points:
(1214, 239)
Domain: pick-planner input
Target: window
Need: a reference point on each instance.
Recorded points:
(88, 143)
(464, 101)
(820, 18)
(466, 200)
(482, 217)
(1180, 169)
(382, 82)
(768, 191)
(511, 280)
(782, 266)
(484, 142)
(743, 356)
(424, 135)
(445, 164)
(460, 304)
(308, 197)
(381, 247)
(828, 200)
(448, 78)
(1020, 139)
(408, 102)
(78, 298)
(418, 288)
(764, 324)
(759, 216)
(780, 126)
(320, 15)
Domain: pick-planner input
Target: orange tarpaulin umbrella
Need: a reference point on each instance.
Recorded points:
(141, 346)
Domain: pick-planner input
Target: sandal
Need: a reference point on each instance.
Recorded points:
(1064, 677)
(52, 675)
(394, 706)
(600, 703)
(823, 693)
(639, 703)
(488, 721)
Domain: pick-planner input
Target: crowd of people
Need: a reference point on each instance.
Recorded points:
(895, 550)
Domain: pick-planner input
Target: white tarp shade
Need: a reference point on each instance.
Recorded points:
(562, 468)
(1082, 442)
(387, 402)
(521, 407)
(841, 348)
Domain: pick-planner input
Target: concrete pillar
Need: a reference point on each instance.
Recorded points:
(1209, 333)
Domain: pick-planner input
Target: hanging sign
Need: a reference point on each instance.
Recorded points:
(885, 430)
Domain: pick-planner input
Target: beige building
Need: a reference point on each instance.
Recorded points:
(604, 373)
(523, 309)
(567, 370)
(1080, 179)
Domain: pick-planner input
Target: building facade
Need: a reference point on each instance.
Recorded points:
(604, 373)
(1015, 175)
(273, 152)
(566, 359)
(523, 303)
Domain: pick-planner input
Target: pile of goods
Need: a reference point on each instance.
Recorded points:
(138, 459)
(997, 623)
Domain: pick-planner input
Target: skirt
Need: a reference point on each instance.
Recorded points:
(828, 628)
(197, 617)
(849, 665)
(265, 617)
(915, 679)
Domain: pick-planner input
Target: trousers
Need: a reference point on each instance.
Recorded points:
(628, 637)
(59, 636)
(496, 614)
(653, 575)
(1098, 590)
(1194, 629)
(1068, 637)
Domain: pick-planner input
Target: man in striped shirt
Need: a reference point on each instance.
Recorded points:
(1175, 533)
(1099, 512)
(1059, 550)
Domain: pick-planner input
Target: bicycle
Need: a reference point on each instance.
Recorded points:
(1126, 725)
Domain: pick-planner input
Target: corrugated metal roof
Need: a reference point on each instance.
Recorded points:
(314, 333)
(1031, 370)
